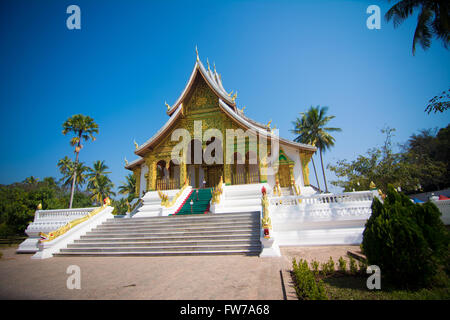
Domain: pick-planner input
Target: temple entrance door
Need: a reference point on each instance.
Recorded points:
(196, 175)
(213, 174)
(284, 175)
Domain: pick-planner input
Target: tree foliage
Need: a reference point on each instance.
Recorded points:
(433, 20)
(18, 202)
(311, 128)
(422, 164)
(407, 241)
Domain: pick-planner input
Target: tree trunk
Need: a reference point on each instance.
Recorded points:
(315, 172)
(323, 171)
(73, 181)
(75, 170)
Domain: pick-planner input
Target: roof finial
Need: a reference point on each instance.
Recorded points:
(234, 96)
(135, 144)
(168, 107)
(126, 161)
(214, 65)
(268, 124)
(196, 51)
(242, 110)
(230, 93)
(207, 62)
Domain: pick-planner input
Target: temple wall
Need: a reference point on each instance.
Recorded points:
(294, 155)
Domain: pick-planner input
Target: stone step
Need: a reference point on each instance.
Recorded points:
(149, 244)
(238, 236)
(173, 233)
(166, 248)
(186, 217)
(180, 222)
(160, 253)
(174, 226)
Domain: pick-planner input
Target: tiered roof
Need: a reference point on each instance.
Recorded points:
(227, 104)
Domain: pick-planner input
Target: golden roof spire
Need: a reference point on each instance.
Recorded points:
(168, 107)
(268, 124)
(234, 96)
(135, 144)
(196, 51)
(207, 62)
(214, 65)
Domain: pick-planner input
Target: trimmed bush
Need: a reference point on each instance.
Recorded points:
(306, 285)
(407, 241)
(342, 264)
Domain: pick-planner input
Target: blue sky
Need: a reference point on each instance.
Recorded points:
(131, 56)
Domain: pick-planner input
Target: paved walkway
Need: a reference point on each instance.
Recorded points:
(165, 278)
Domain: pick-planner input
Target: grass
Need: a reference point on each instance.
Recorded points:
(353, 287)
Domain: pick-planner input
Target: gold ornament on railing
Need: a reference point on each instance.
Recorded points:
(165, 198)
(216, 192)
(265, 221)
(60, 231)
(39, 206)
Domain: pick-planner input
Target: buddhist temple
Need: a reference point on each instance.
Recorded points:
(204, 99)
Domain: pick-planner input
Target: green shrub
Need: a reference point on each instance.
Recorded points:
(306, 285)
(315, 267)
(353, 266)
(328, 267)
(362, 266)
(407, 241)
(342, 264)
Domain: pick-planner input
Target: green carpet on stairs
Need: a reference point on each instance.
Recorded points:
(200, 205)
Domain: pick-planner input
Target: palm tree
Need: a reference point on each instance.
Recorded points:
(300, 126)
(101, 188)
(128, 187)
(83, 127)
(98, 170)
(433, 20)
(31, 180)
(67, 169)
(311, 129)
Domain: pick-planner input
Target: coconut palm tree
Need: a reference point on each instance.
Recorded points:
(300, 126)
(311, 129)
(67, 168)
(128, 187)
(433, 20)
(84, 128)
(98, 170)
(101, 188)
(31, 180)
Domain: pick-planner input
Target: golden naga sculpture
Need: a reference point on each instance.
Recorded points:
(268, 124)
(135, 144)
(234, 96)
(265, 221)
(277, 189)
(60, 231)
(165, 198)
(242, 110)
(168, 107)
(217, 192)
(230, 93)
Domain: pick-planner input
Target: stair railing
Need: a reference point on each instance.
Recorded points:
(62, 230)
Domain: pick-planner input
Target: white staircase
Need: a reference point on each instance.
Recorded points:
(208, 234)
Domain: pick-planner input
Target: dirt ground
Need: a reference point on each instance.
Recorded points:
(163, 278)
